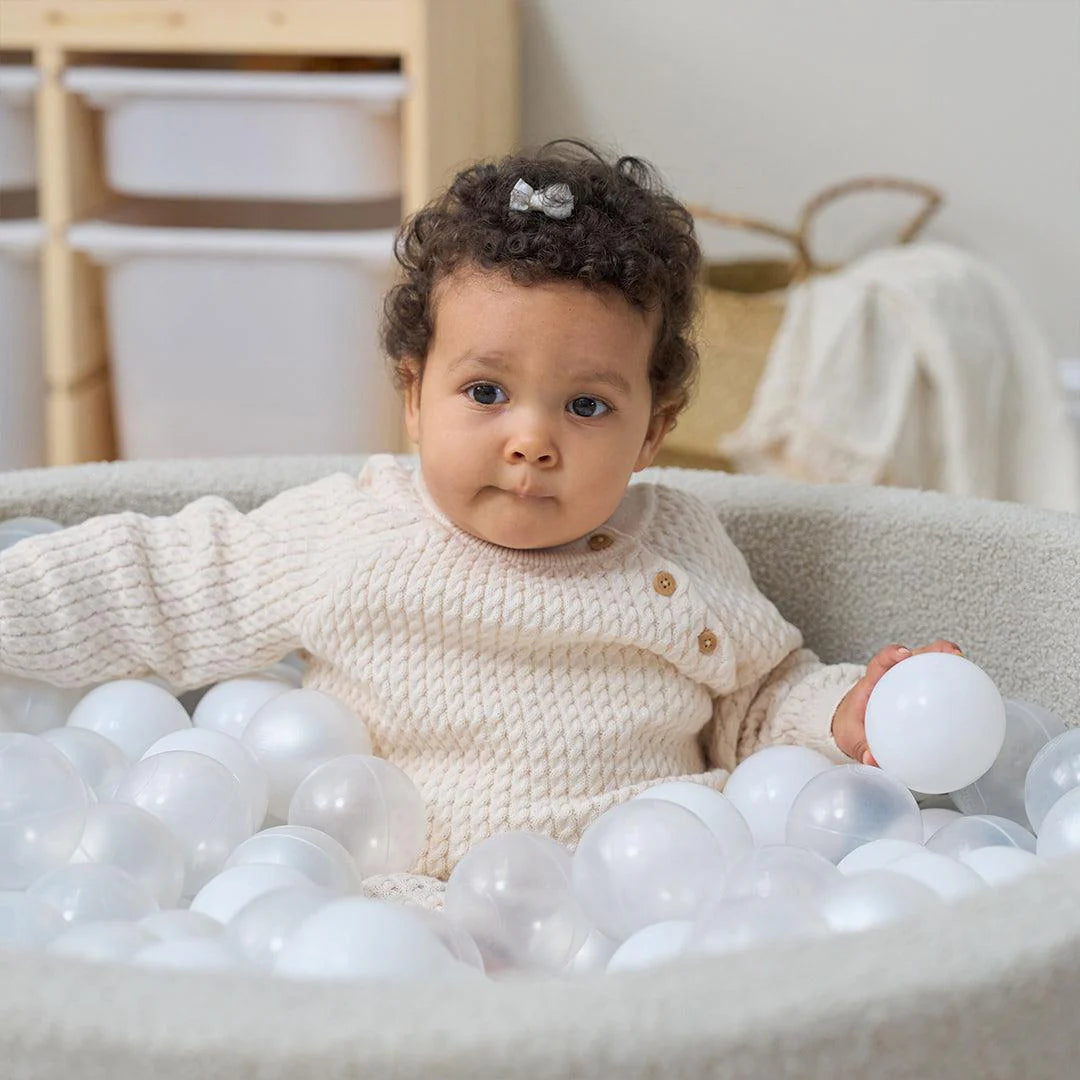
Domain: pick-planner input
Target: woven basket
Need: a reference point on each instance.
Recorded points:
(741, 308)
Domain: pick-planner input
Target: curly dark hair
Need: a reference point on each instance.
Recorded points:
(626, 232)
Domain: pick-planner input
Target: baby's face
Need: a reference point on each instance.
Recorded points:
(534, 409)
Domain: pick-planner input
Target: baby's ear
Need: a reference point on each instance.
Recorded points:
(410, 373)
(663, 420)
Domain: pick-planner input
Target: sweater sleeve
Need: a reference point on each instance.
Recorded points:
(204, 594)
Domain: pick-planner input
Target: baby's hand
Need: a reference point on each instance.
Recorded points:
(849, 720)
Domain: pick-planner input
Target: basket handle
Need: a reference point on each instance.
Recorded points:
(799, 238)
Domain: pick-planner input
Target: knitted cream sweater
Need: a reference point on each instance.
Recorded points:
(518, 689)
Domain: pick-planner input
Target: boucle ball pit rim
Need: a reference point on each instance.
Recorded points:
(987, 987)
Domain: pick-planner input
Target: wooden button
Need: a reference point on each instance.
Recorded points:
(706, 642)
(664, 583)
(599, 541)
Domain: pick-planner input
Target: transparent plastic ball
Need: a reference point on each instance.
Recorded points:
(1054, 770)
(851, 805)
(736, 923)
(369, 806)
(949, 878)
(199, 801)
(1000, 865)
(461, 944)
(137, 842)
(876, 854)
(133, 713)
(936, 818)
(286, 671)
(43, 805)
(318, 856)
(106, 940)
(763, 786)
(873, 898)
(355, 938)
(935, 722)
(189, 954)
(1000, 790)
(27, 922)
(229, 705)
(593, 956)
(260, 929)
(715, 810)
(780, 870)
(1059, 833)
(33, 707)
(645, 861)
(512, 894)
(230, 890)
(658, 943)
(179, 923)
(92, 892)
(296, 731)
(98, 761)
(979, 830)
(15, 529)
(231, 753)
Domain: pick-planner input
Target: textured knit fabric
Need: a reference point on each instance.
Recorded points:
(518, 689)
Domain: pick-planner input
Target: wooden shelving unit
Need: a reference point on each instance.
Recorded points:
(461, 59)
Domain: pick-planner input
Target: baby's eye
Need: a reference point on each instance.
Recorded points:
(588, 407)
(485, 393)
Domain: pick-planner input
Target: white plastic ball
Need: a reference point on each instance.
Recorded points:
(355, 938)
(1059, 833)
(999, 865)
(227, 892)
(763, 786)
(260, 929)
(106, 940)
(229, 705)
(318, 856)
(296, 731)
(716, 811)
(199, 801)
(27, 922)
(593, 956)
(979, 830)
(780, 870)
(512, 894)
(876, 854)
(91, 892)
(935, 721)
(231, 753)
(133, 713)
(873, 898)
(949, 878)
(33, 707)
(99, 761)
(851, 805)
(189, 954)
(658, 943)
(1054, 770)
(179, 923)
(43, 805)
(138, 843)
(936, 818)
(645, 861)
(1000, 790)
(369, 806)
(737, 923)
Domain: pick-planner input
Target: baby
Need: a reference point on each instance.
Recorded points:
(531, 638)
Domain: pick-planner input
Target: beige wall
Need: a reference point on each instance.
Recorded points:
(752, 105)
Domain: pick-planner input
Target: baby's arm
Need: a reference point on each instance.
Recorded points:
(204, 594)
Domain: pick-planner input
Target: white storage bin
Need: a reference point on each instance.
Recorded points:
(22, 382)
(240, 134)
(18, 154)
(230, 341)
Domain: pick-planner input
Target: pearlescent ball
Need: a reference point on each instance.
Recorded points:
(979, 830)
(873, 898)
(318, 856)
(512, 894)
(658, 943)
(297, 731)
(260, 929)
(92, 892)
(27, 922)
(949, 878)
(106, 940)
(645, 861)
(229, 891)
(1059, 833)
(935, 722)
(780, 870)
(593, 955)
(736, 923)
(850, 805)
(936, 818)
(132, 713)
(229, 705)
(189, 954)
(715, 810)
(999, 865)
(179, 923)
(876, 854)
(43, 805)
(369, 806)
(99, 761)
(1054, 770)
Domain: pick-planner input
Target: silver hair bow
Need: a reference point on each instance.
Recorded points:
(556, 200)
